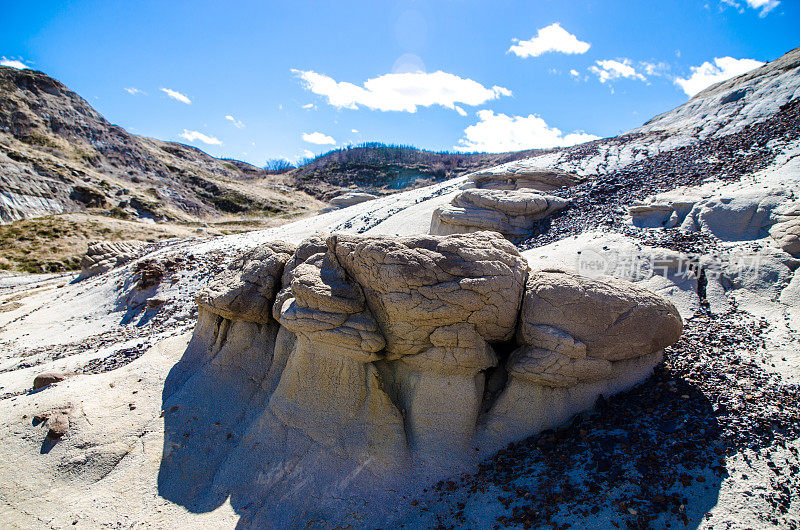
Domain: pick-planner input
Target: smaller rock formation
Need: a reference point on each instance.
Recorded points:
(535, 179)
(103, 256)
(348, 199)
(654, 215)
(579, 338)
(513, 213)
(786, 236)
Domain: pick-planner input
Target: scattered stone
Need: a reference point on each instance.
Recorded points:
(155, 302)
(48, 378)
(58, 425)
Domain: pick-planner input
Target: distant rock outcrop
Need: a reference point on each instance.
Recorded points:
(736, 214)
(535, 179)
(348, 199)
(103, 256)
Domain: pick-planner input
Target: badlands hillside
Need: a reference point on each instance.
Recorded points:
(590, 337)
(58, 154)
(381, 169)
(68, 177)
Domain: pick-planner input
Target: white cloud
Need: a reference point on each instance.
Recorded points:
(401, 91)
(308, 154)
(354, 131)
(764, 5)
(552, 38)
(708, 74)
(174, 94)
(460, 110)
(133, 91)
(13, 63)
(238, 124)
(610, 69)
(498, 133)
(574, 73)
(195, 136)
(309, 106)
(318, 138)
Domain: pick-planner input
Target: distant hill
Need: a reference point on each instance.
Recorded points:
(58, 154)
(385, 168)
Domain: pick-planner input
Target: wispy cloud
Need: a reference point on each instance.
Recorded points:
(552, 38)
(318, 138)
(309, 106)
(498, 133)
(174, 94)
(194, 136)
(236, 123)
(134, 91)
(659, 69)
(610, 69)
(708, 74)
(762, 6)
(402, 92)
(355, 131)
(13, 63)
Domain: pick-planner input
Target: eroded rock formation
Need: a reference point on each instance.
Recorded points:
(103, 256)
(535, 179)
(513, 213)
(348, 199)
(330, 388)
(786, 235)
(439, 302)
(578, 338)
(379, 349)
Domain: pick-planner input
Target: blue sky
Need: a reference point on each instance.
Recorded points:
(258, 80)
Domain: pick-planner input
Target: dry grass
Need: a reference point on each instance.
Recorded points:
(57, 243)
